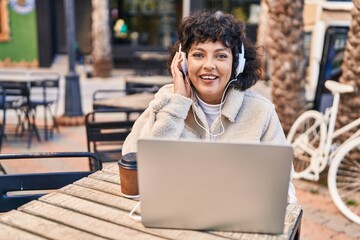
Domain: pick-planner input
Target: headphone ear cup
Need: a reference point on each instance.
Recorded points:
(241, 65)
(184, 65)
(241, 61)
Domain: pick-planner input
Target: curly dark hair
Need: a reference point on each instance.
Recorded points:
(202, 26)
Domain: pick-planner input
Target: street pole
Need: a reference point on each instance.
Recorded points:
(73, 114)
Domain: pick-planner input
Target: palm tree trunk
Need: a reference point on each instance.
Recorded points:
(286, 58)
(349, 107)
(101, 53)
(262, 34)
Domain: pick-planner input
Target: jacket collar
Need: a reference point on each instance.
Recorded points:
(233, 102)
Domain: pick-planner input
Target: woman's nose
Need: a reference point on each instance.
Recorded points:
(209, 63)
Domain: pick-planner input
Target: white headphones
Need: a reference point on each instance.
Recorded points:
(241, 61)
(239, 69)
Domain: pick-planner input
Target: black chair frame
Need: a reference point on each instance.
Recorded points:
(105, 138)
(52, 81)
(17, 97)
(2, 125)
(39, 181)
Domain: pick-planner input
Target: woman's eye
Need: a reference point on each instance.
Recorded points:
(222, 56)
(198, 55)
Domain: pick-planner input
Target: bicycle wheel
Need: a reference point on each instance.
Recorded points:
(307, 136)
(344, 180)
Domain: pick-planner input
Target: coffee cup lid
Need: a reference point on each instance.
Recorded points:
(128, 161)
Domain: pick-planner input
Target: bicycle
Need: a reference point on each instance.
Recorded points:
(312, 137)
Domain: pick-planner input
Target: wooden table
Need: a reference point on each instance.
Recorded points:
(93, 208)
(135, 81)
(21, 78)
(132, 102)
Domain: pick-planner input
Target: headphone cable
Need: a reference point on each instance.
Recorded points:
(214, 136)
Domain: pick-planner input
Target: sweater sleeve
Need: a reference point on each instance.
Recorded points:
(164, 118)
(273, 132)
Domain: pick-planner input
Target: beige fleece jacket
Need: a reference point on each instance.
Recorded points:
(246, 116)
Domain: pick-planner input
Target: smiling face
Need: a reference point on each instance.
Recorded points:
(209, 67)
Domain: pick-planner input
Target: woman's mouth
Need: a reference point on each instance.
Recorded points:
(208, 77)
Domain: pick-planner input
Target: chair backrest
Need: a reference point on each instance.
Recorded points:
(16, 93)
(13, 95)
(10, 183)
(47, 90)
(2, 98)
(105, 137)
(2, 124)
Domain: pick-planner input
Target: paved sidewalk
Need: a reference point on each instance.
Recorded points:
(321, 219)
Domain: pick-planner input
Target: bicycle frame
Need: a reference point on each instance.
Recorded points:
(343, 130)
(330, 118)
(315, 143)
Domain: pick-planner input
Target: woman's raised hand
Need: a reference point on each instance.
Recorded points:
(181, 85)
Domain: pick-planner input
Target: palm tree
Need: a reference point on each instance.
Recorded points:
(349, 108)
(261, 38)
(101, 53)
(286, 58)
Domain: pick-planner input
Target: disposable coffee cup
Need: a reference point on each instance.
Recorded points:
(128, 175)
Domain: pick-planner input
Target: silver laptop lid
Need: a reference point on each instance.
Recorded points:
(213, 185)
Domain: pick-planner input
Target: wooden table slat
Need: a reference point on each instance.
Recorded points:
(8, 232)
(81, 221)
(112, 168)
(44, 227)
(106, 177)
(100, 185)
(137, 101)
(121, 217)
(100, 197)
(21, 78)
(150, 80)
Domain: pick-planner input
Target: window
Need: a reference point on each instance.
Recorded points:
(331, 61)
(247, 11)
(145, 22)
(244, 10)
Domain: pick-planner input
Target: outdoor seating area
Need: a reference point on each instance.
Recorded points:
(106, 127)
(204, 119)
(70, 139)
(25, 93)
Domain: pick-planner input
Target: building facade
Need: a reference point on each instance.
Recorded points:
(37, 28)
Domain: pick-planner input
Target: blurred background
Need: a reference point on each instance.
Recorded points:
(127, 34)
(103, 44)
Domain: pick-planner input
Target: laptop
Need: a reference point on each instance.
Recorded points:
(226, 186)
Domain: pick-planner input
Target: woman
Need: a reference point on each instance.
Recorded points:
(209, 98)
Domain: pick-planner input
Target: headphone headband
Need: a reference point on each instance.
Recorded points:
(239, 68)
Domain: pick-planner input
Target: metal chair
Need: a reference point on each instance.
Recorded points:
(3, 109)
(17, 97)
(46, 94)
(39, 181)
(105, 137)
